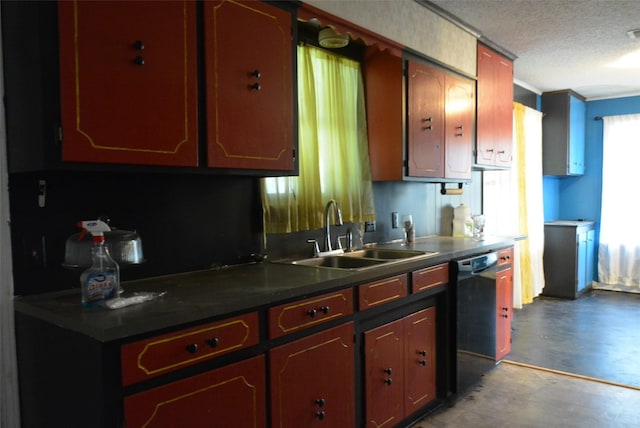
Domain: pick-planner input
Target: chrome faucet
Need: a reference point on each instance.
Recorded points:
(327, 231)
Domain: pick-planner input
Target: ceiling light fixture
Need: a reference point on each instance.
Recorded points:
(634, 34)
(329, 38)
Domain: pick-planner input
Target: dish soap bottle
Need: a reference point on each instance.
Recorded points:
(101, 281)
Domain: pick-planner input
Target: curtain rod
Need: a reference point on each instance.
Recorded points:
(597, 118)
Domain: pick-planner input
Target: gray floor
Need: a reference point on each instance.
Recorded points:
(596, 335)
(573, 364)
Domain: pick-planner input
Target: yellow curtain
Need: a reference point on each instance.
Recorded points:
(528, 168)
(333, 148)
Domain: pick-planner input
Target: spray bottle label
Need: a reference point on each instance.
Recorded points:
(101, 286)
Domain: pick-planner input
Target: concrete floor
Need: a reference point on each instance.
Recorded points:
(573, 364)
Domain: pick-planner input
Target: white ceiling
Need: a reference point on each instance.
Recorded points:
(562, 44)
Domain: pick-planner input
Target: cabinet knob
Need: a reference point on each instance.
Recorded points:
(460, 127)
(312, 313)
(320, 415)
(388, 371)
(255, 73)
(192, 348)
(388, 381)
(320, 402)
(256, 86)
(428, 119)
(325, 309)
(505, 316)
(427, 128)
(489, 150)
(213, 342)
(500, 152)
(423, 353)
(459, 134)
(139, 60)
(138, 45)
(423, 362)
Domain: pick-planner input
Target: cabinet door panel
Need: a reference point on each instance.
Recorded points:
(459, 109)
(115, 110)
(249, 85)
(504, 312)
(232, 396)
(420, 359)
(312, 380)
(384, 381)
(425, 121)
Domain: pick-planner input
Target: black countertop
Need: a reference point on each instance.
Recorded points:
(208, 294)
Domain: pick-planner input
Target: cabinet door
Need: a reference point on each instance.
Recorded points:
(581, 262)
(504, 312)
(459, 121)
(249, 56)
(312, 381)
(576, 136)
(425, 121)
(232, 396)
(128, 82)
(384, 97)
(495, 109)
(384, 381)
(420, 359)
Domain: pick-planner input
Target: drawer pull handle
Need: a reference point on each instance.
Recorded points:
(192, 348)
(320, 415)
(320, 402)
(139, 60)
(256, 74)
(423, 353)
(312, 313)
(423, 362)
(388, 371)
(256, 87)
(325, 309)
(388, 381)
(213, 342)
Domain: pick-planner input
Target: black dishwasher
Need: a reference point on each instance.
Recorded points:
(475, 318)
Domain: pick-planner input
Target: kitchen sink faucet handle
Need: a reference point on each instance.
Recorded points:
(316, 247)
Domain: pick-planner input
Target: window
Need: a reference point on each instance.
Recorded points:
(333, 148)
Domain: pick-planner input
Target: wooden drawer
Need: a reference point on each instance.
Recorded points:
(161, 354)
(505, 257)
(295, 316)
(383, 291)
(424, 279)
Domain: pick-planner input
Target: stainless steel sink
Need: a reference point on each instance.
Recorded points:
(361, 259)
(339, 262)
(388, 254)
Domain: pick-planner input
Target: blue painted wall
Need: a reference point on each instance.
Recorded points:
(580, 197)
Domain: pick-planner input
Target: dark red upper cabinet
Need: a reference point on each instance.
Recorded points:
(128, 82)
(249, 86)
(495, 109)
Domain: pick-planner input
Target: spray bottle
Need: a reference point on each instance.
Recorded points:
(101, 281)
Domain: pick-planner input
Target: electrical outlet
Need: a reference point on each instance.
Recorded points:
(370, 226)
(395, 220)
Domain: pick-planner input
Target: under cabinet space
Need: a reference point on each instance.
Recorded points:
(295, 316)
(231, 396)
(162, 354)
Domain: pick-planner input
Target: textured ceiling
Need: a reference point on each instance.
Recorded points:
(562, 44)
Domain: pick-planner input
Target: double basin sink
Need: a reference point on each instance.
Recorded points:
(361, 259)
